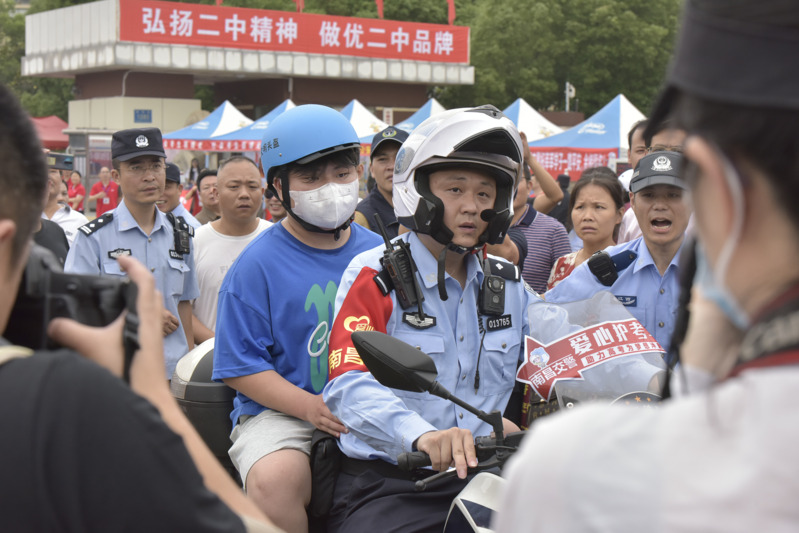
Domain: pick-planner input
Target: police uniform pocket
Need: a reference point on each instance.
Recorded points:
(177, 271)
(179, 265)
(498, 362)
(111, 268)
(433, 345)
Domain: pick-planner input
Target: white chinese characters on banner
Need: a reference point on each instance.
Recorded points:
(568, 357)
(151, 18)
(261, 29)
(352, 36)
(244, 28)
(181, 23)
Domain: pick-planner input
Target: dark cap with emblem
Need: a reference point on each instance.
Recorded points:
(172, 173)
(389, 134)
(127, 144)
(730, 61)
(59, 161)
(659, 168)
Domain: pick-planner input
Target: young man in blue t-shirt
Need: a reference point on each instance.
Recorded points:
(276, 308)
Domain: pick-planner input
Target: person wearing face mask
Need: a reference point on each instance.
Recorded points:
(276, 308)
(721, 456)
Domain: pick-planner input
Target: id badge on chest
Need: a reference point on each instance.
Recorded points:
(106, 200)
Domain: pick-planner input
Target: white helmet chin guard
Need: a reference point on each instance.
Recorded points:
(480, 137)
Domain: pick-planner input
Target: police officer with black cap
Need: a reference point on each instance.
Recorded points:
(136, 227)
(170, 200)
(385, 145)
(643, 273)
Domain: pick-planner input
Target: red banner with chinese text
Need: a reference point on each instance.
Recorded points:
(282, 31)
(208, 145)
(572, 161)
(568, 357)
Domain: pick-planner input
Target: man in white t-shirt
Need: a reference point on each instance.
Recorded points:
(218, 243)
(63, 215)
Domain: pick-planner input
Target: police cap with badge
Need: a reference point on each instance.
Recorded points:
(390, 134)
(135, 142)
(659, 168)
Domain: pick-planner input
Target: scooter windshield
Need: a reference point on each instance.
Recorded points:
(606, 355)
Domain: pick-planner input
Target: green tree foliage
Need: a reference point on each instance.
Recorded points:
(39, 96)
(531, 48)
(12, 44)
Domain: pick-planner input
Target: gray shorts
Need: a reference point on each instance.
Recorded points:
(257, 436)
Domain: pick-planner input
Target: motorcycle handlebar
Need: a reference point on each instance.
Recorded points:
(412, 460)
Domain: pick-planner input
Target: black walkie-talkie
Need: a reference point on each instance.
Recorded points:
(399, 265)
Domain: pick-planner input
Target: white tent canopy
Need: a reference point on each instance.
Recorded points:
(364, 122)
(530, 121)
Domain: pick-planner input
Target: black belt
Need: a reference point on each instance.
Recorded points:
(356, 467)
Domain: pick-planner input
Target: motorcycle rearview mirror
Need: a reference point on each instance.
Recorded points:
(398, 365)
(394, 363)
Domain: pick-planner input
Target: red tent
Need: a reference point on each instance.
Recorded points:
(49, 130)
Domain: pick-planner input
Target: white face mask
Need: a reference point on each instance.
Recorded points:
(713, 280)
(327, 207)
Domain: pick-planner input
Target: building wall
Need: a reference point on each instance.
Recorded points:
(132, 83)
(116, 113)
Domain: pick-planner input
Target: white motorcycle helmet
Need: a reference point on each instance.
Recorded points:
(480, 137)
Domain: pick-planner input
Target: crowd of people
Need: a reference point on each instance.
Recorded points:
(279, 261)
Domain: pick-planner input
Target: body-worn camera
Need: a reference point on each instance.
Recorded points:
(492, 296)
(46, 292)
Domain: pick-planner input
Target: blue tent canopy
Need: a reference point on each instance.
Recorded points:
(255, 131)
(430, 108)
(223, 119)
(607, 128)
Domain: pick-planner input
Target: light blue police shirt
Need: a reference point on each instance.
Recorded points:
(385, 422)
(99, 242)
(648, 296)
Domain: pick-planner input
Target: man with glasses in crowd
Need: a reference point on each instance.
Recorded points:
(136, 227)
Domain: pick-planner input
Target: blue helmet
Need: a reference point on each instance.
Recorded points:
(303, 134)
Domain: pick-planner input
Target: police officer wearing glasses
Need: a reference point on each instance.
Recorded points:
(136, 227)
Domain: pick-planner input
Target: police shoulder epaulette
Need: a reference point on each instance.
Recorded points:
(623, 259)
(503, 269)
(97, 223)
(179, 223)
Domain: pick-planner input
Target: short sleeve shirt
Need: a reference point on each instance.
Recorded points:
(100, 242)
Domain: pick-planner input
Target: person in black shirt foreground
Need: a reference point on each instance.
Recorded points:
(82, 451)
